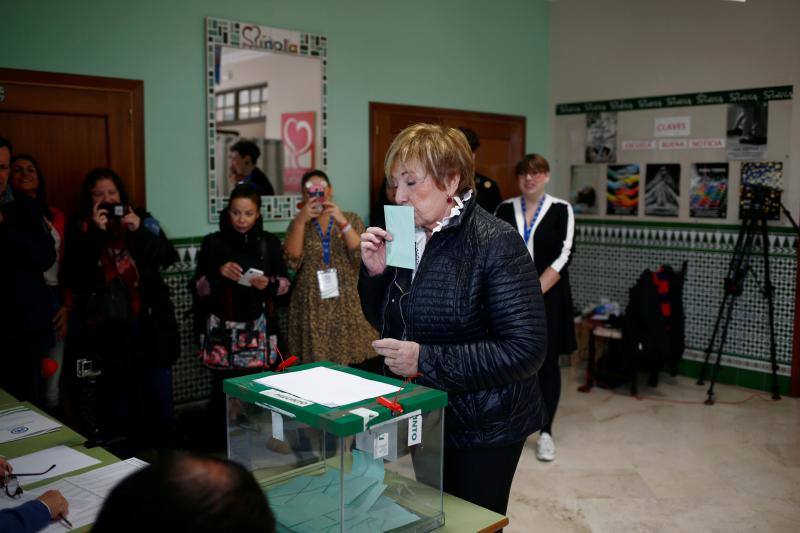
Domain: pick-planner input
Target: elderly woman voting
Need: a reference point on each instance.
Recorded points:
(468, 319)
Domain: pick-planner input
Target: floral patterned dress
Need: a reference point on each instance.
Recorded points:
(333, 329)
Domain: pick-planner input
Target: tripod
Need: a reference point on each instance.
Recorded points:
(755, 223)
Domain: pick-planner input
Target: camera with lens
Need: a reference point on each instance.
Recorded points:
(114, 210)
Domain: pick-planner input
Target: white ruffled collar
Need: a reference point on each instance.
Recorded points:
(454, 212)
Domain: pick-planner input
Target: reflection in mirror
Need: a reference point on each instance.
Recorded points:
(266, 112)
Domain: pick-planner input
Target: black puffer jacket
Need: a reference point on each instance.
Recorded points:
(475, 307)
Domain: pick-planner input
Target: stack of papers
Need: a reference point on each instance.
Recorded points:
(328, 387)
(21, 422)
(85, 493)
(309, 504)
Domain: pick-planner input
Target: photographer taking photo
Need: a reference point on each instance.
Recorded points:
(123, 316)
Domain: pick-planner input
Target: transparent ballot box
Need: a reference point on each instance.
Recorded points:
(331, 466)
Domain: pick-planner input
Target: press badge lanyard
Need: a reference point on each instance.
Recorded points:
(326, 241)
(328, 278)
(529, 229)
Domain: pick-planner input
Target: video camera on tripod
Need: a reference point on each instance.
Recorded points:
(758, 203)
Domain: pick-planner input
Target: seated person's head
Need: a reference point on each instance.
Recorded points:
(244, 157)
(187, 493)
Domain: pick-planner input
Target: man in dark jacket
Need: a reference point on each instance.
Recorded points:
(489, 196)
(472, 323)
(244, 167)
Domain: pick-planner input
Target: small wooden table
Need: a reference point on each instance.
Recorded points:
(597, 329)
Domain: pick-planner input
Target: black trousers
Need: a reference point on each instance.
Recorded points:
(482, 476)
(550, 383)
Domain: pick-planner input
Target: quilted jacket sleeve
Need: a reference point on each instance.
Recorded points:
(515, 346)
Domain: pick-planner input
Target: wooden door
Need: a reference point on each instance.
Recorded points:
(502, 139)
(71, 124)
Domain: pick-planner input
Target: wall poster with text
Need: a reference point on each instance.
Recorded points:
(708, 195)
(662, 190)
(622, 190)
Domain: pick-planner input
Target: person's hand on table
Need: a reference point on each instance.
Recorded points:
(5, 467)
(55, 501)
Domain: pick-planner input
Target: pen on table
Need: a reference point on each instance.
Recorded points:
(63, 518)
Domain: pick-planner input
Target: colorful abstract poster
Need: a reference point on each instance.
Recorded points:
(662, 190)
(601, 137)
(622, 190)
(585, 189)
(298, 133)
(762, 184)
(708, 196)
(747, 130)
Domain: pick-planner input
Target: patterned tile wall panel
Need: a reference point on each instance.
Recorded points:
(610, 258)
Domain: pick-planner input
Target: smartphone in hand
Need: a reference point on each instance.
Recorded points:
(249, 275)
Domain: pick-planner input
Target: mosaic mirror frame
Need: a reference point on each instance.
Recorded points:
(236, 34)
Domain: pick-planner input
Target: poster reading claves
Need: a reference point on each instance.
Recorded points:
(622, 190)
(708, 197)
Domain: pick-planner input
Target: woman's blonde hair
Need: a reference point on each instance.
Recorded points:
(442, 152)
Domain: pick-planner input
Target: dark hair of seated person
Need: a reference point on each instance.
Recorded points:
(187, 492)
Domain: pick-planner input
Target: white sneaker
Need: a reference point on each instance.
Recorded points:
(545, 448)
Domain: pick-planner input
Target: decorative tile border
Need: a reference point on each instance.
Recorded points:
(221, 32)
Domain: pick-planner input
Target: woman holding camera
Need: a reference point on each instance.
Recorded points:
(323, 246)
(240, 270)
(123, 318)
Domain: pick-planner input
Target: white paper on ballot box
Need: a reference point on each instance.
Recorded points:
(328, 387)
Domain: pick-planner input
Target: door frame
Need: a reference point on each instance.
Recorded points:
(135, 90)
(377, 110)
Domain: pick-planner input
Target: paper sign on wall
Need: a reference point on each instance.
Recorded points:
(672, 126)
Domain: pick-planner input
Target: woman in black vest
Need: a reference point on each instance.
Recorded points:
(547, 225)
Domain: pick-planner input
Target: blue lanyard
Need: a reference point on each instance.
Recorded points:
(529, 229)
(326, 241)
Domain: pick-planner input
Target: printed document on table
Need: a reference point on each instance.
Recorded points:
(328, 387)
(21, 422)
(101, 481)
(65, 458)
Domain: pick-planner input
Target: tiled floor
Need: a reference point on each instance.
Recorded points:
(644, 465)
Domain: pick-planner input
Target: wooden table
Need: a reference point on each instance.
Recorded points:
(461, 516)
(598, 329)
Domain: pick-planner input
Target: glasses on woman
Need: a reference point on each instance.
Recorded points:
(11, 483)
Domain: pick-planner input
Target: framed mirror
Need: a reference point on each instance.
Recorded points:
(265, 96)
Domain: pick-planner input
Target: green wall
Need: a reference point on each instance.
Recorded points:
(466, 54)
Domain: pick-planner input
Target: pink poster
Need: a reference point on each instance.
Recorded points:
(298, 136)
